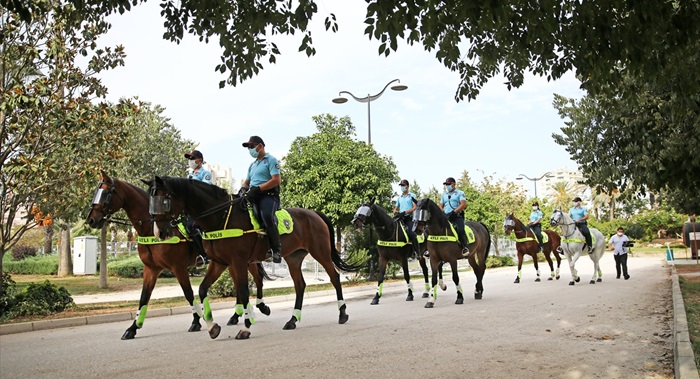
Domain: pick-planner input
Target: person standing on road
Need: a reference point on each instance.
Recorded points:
(453, 202)
(619, 243)
(403, 210)
(264, 181)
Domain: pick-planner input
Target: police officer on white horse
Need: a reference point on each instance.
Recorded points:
(580, 216)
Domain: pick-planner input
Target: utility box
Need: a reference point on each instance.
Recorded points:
(84, 255)
(691, 237)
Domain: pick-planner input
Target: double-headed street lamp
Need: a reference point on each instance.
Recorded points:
(546, 175)
(368, 99)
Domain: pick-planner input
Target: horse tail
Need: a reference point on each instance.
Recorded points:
(261, 271)
(488, 246)
(335, 255)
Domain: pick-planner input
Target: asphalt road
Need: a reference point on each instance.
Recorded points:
(613, 329)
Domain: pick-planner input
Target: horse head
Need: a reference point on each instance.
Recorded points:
(509, 224)
(557, 218)
(421, 216)
(164, 208)
(104, 203)
(362, 215)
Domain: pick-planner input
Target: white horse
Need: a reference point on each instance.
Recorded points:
(572, 241)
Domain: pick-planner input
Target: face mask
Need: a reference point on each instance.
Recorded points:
(448, 188)
(253, 153)
(193, 164)
(534, 208)
(619, 234)
(403, 188)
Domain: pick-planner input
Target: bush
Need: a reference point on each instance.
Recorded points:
(130, 267)
(223, 287)
(499, 261)
(41, 265)
(20, 252)
(39, 299)
(7, 294)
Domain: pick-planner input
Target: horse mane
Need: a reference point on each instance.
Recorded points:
(436, 213)
(208, 195)
(382, 215)
(141, 192)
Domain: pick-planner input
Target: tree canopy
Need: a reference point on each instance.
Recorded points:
(599, 39)
(332, 173)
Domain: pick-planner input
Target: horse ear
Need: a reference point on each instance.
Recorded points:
(103, 175)
(371, 201)
(146, 182)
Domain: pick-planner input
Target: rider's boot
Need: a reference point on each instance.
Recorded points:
(416, 247)
(463, 242)
(202, 258)
(273, 237)
(541, 247)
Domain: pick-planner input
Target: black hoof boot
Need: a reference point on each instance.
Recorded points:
(195, 327)
(233, 320)
(375, 299)
(291, 324)
(264, 309)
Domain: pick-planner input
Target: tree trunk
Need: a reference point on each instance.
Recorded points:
(65, 264)
(48, 239)
(338, 238)
(494, 239)
(612, 207)
(103, 256)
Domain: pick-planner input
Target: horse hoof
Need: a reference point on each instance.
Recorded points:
(578, 280)
(429, 304)
(459, 301)
(195, 327)
(425, 295)
(558, 277)
(215, 330)
(243, 335)
(478, 295)
(233, 320)
(599, 280)
(264, 309)
(342, 319)
(537, 280)
(592, 281)
(129, 334)
(550, 278)
(375, 301)
(571, 283)
(289, 326)
(409, 298)
(443, 287)
(517, 280)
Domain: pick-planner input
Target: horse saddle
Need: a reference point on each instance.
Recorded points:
(545, 238)
(453, 237)
(284, 221)
(396, 243)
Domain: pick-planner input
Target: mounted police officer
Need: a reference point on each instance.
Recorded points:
(405, 205)
(453, 202)
(263, 189)
(580, 216)
(197, 172)
(535, 223)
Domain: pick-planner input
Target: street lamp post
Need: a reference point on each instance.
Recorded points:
(546, 174)
(369, 99)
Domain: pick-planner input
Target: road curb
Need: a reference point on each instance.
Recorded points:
(683, 357)
(318, 297)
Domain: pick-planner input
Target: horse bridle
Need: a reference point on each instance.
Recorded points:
(103, 199)
(562, 223)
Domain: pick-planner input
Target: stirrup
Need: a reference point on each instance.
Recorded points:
(465, 252)
(270, 256)
(200, 261)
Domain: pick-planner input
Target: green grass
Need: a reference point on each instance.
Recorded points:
(691, 299)
(89, 284)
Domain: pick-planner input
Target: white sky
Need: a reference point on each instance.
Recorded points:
(428, 134)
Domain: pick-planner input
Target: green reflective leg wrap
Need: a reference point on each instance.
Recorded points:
(459, 289)
(427, 287)
(207, 310)
(239, 309)
(379, 289)
(141, 316)
(435, 292)
(553, 274)
(520, 274)
(197, 308)
(250, 313)
(297, 314)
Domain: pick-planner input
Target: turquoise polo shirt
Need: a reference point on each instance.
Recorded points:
(577, 213)
(405, 202)
(450, 200)
(261, 171)
(536, 215)
(202, 175)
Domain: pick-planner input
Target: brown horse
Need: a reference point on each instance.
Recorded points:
(444, 246)
(525, 243)
(114, 194)
(392, 246)
(232, 240)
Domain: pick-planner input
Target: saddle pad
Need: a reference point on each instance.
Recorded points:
(453, 238)
(285, 223)
(545, 238)
(578, 240)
